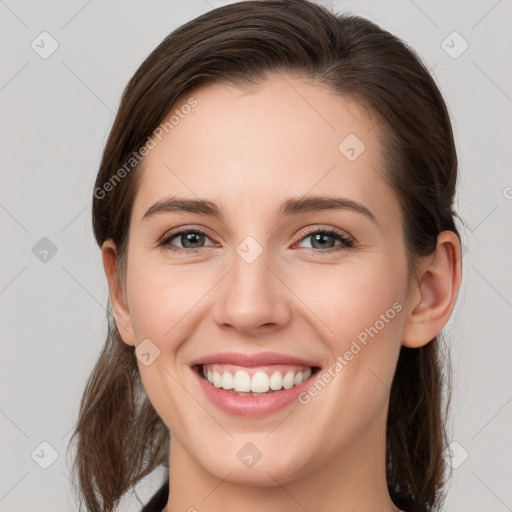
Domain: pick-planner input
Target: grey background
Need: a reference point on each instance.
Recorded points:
(56, 114)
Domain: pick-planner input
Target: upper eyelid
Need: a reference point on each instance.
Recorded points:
(185, 229)
(338, 231)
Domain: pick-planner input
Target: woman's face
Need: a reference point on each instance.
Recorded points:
(261, 279)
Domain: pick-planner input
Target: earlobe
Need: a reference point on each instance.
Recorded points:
(117, 297)
(432, 301)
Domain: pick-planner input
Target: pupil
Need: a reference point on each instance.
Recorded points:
(191, 238)
(321, 236)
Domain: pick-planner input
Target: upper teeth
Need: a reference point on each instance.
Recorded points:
(260, 382)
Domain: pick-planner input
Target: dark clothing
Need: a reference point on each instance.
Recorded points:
(402, 501)
(159, 500)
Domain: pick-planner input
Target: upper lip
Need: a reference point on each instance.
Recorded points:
(259, 359)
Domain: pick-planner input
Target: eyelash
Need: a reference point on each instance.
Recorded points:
(346, 242)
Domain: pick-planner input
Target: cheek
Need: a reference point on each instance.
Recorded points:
(352, 298)
(358, 309)
(161, 298)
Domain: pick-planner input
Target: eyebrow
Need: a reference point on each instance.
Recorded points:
(290, 207)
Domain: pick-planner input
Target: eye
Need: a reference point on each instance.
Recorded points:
(323, 240)
(191, 240)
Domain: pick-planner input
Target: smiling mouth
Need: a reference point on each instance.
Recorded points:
(255, 381)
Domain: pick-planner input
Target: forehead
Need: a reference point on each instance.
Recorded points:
(247, 149)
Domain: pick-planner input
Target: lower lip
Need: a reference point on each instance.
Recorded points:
(252, 405)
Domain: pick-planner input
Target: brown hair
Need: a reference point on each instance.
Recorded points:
(120, 437)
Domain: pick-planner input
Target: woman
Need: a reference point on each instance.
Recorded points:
(275, 212)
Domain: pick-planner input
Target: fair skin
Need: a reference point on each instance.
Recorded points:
(248, 152)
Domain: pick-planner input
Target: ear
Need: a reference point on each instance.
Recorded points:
(117, 294)
(431, 302)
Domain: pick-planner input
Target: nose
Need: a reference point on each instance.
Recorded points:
(253, 297)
